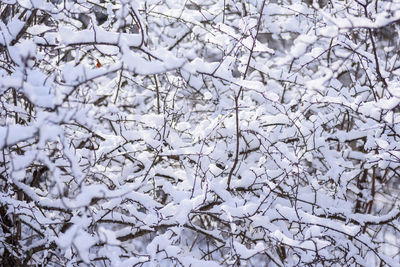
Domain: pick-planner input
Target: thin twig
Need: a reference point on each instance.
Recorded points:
(238, 96)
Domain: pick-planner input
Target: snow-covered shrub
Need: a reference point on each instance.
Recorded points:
(183, 133)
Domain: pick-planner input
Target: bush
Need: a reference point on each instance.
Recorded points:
(182, 133)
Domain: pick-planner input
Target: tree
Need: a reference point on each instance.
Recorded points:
(141, 133)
